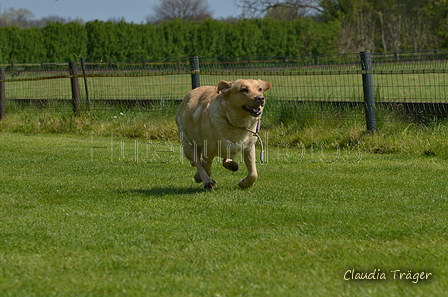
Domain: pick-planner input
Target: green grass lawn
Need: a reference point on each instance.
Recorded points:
(84, 216)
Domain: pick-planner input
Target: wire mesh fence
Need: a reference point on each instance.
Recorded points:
(408, 86)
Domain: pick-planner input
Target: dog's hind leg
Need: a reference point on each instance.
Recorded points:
(194, 154)
(208, 168)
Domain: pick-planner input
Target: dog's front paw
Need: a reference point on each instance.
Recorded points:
(246, 183)
(230, 164)
(210, 184)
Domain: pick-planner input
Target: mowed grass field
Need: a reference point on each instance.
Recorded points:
(107, 216)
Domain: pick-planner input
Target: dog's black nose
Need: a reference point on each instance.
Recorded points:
(259, 100)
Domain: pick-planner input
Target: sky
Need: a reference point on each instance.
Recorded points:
(132, 10)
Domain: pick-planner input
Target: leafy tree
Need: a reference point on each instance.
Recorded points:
(272, 35)
(176, 38)
(30, 45)
(12, 48)
(129, 41)
(152, 45)
(101, 41)
(5, 46)
(64, 42)
(209, 38)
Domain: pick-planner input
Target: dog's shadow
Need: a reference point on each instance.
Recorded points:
(168, 191)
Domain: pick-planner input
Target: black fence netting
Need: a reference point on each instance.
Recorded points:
(407, 85)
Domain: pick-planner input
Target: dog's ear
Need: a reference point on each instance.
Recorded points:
(265, 85)
(223, 85)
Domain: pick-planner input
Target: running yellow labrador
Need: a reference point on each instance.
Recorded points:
(221, 121)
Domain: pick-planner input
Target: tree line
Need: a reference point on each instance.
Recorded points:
(23, 18)
(388, 25)
(266, 28)
(111, 41)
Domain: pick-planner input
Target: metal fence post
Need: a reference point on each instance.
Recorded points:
(369, 95)
(75, 88)
(2, 94)
(195, 77)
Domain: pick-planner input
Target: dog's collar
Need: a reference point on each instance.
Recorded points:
(257, 129)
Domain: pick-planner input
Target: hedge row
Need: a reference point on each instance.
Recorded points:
(97, 40)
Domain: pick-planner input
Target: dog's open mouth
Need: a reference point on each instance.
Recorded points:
(254, 111)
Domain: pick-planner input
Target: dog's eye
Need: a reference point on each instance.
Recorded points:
(245, 90)
(260, 90)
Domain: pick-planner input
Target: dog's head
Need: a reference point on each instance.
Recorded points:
(246, 94)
